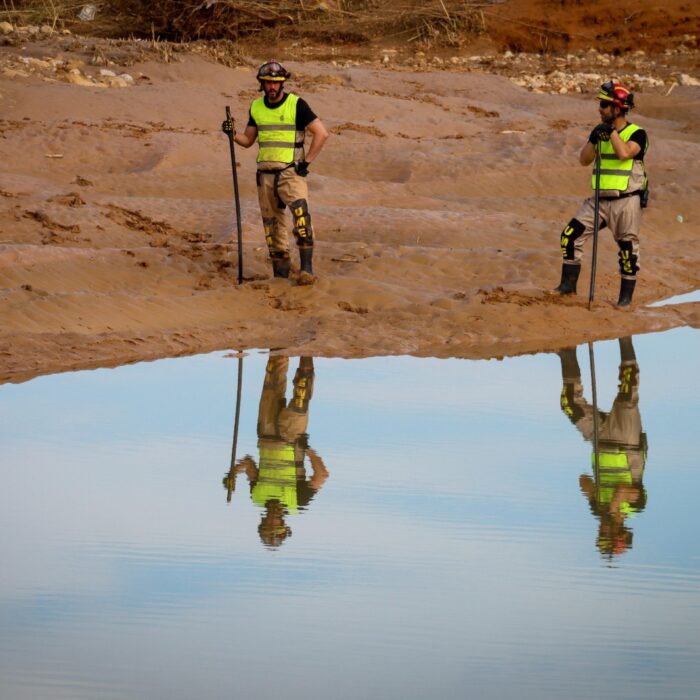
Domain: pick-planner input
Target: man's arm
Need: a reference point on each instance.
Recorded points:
(318, 469)
(587, 155)
(624, 150)
(248, 137)
(319, 135)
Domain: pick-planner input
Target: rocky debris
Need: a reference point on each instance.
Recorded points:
(684, 79)
(57, 69)
(573, 73)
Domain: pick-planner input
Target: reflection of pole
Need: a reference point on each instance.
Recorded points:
(596, 453)
(231, 483)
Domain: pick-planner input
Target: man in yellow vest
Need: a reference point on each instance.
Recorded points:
(278, 482)
(623, 190)
(615, 493)
(278, 121)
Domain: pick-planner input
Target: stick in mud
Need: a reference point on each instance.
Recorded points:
(596, 214)
(237, 199)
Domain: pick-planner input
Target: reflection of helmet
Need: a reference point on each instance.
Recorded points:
(273, 70)
(273, 536)
(617, 93)
(613, 539)
(273, 530)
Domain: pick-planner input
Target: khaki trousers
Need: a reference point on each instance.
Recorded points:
(623, 217)
(287, 187)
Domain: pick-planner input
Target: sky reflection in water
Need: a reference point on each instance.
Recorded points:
(428, 527)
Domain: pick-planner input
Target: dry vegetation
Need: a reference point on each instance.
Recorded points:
(438, 22)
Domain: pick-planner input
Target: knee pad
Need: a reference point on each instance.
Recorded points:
(302, 222)
(573, 230)
(628, 261)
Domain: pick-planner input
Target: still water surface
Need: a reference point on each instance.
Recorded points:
(389, 528)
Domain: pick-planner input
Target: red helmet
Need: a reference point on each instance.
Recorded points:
(617, 93)
(273, 70)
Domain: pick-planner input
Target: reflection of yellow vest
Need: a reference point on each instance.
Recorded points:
(277, 477)
(277, 132)
(615, 173)
(614, 470)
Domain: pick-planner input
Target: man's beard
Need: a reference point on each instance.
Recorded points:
(273, 93)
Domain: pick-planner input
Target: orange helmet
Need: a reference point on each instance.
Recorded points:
(617, 93)
(273, 70)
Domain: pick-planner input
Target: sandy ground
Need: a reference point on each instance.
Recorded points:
(437, 205)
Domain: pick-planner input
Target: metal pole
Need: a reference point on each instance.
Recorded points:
(596, 213)
(232, 471)
(238, 202)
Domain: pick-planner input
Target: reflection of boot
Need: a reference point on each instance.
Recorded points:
(627, 350)
(569, 278)
(280, 267)
(628, 375)
(626, 291)
(571, 384)
(303, 385)
(569, 364)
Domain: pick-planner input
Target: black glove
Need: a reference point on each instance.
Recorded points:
(600, 133)
(227, 127)
(301, 168)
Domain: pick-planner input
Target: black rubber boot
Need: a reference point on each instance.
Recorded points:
(569, 278)
(305, 256)
(626, 291)
(280, 267)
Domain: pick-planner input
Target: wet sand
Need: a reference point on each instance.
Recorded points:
(437, 206)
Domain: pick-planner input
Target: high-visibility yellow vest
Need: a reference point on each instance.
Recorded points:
(278, 139)
(277, 477)
(615, 173)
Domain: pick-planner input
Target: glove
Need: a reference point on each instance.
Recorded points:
(301, 168)
(600, 133)
(227, 127)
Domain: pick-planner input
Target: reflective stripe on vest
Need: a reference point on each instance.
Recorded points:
(278, 139)
(615, 173)
(277, 478)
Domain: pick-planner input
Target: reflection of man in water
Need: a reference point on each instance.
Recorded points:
(615, 492)
(278, 482)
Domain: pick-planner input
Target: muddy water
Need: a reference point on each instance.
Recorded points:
(387, 528)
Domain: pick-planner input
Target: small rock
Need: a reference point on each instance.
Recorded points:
(106, 73)
(46, 29)
(116, 82)
(6, 28)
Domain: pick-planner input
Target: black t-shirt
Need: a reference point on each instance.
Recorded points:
(304, 116)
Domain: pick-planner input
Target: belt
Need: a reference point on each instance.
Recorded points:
(622, 195)
(275, 186)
